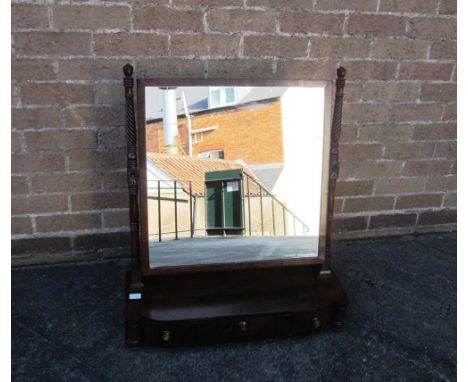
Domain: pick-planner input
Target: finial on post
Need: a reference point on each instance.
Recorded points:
(341, 72)
(128, 70)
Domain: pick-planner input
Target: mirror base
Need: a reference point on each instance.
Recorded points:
(174, 311)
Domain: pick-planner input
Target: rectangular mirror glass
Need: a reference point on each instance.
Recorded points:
(233, 174)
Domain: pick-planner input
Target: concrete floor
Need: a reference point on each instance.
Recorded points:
(232, 249)
(67, 325)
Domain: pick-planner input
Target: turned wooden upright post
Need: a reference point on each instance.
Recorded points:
(132, 168)
(334, 167)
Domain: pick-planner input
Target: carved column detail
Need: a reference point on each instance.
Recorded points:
(132, 166)
(334, 168)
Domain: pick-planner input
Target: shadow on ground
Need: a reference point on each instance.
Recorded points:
(67, 324)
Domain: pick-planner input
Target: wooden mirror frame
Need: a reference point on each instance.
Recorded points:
(136, 175)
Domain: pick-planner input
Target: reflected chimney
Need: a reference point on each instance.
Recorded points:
(170, 129)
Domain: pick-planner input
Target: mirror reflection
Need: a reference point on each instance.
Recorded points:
(234, 173)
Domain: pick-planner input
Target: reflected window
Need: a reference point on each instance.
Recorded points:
(213, 154)
(222, 96)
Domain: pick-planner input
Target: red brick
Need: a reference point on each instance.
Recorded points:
(439, 92)
(385, 132)
(370, 203)
(448, 7)
(205, 45)
(112, 138)
(391, 91)
(98, 241)
(369, 169)
(29, 16)
(23, 205)
(426, 167)
(281, 4)
(19, 185)
(28, 69)
(60, 140)
(396, 49)
(278, 46)
(450, 112)
(45, 94)
(353, 92)
(171, 68)
(437, 217)
(442, 183)
(168, 19)
(409, 150)
(109, 94)
(416, 6)
(365, 112)
(66, 182)
(311, 22)
(37, 118)
(46, 245)
(446, 150)
(392, 221)
(241, 20)
(52, 43)
(433, 28)
(445, 50)
(339, 47)
(132, 44)
(115, 219)
(416, 112)
(370, 70)
(435, 131)
(450, 200)
(201, 3)
(91, 17)
(68, 222)
(359, 151)
(354, 187)
(21, 225)
(349, 224)
(91, 69)
(418, 201)
(97, 160)
(399, 185)
(37, 162)
(16, 142)
(352, 5)
(115, 181)
(349, 132)
(99, 201)
(376, 25)
(235, 68)
(425, 71)
(94, 116)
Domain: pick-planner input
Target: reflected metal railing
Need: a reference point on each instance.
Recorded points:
(176, 209)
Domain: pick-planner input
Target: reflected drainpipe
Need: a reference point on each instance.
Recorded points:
(170, 129)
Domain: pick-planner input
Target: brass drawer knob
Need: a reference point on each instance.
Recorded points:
(166, 335)
(316, 322)
(242, 326)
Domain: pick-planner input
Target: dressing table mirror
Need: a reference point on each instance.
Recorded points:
(231, 186)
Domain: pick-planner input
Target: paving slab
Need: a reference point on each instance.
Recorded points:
(67, 324)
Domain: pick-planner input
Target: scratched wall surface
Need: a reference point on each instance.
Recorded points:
(398, 146)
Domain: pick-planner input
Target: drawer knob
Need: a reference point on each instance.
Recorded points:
(242, 326)
(166, 335)
(316, 322)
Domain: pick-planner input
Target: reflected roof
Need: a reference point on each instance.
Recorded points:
(197, 98)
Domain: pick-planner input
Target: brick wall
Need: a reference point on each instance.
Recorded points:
(398, 171)
(251, 133)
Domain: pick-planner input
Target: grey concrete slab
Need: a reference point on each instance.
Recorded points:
(232, 249)
(67, 324)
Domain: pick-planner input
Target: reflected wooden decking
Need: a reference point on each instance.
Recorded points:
(222, 250)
